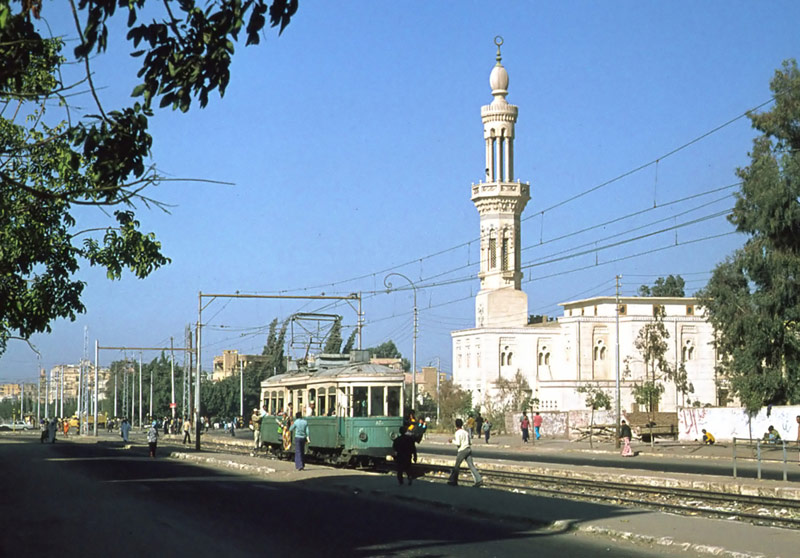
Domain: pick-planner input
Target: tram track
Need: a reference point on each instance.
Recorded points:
(755, 509)
(758, 510)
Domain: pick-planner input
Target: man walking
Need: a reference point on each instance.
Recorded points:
(301, 438)
(537, 424)
(524, 425)
(187, 429)
(462, 441)
(152, 438)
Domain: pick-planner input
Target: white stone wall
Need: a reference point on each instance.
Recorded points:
(725, 423)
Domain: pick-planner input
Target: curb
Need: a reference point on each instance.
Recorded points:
(227, 463)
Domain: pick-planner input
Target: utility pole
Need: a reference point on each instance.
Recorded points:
(197, 379)
(115, 395)
(616, 365)
(140, 389)
(241, 388)
(61, 413)
(96, 382)
(172, 404)
(388, 285)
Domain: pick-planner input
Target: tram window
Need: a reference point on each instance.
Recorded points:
(376, 401)
(321, 402)
(298, 402)
(312, 403)
(393, 400)
(280, 402)
(331, 403)
(359, 401)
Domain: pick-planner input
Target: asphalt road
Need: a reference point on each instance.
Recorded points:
(661, 462)
(86, 499)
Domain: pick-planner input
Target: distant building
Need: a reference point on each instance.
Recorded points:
(71, 374)
(557, 357)
(393, 363)
(228, 363)
(9, 391)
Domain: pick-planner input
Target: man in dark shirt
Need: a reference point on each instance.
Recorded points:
(404, 447)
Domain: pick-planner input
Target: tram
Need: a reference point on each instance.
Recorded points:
(353, 408)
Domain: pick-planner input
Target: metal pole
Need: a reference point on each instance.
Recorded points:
(438, 375)
(172, 405)
(784, 460)
(360, 321)
(241, 389)
(62, 391)
(115, 394)
(22, 418)
(96, 381)
(734, 457)
(46, 397)
(616, 368)
(758, 448)
(388, 285)
(197, 378)
(140, 389)
(39, 400)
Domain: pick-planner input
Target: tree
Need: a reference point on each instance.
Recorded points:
(389, 350)
(651, 342)
(333, 344)
(596, 398)
(52, 163)
(752, 299)
(673, 285)
(514, 395)
(350, 343)
(453, 401)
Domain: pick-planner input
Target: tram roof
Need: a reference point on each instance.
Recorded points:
(354, 370)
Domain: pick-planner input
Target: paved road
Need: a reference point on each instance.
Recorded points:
(85, 499)
(660, 462)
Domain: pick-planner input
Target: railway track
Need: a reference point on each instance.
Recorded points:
(759, 510)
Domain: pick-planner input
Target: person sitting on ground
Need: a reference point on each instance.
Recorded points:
(708, 438)
(772, 436)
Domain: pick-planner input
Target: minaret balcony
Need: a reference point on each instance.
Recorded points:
(501, 189)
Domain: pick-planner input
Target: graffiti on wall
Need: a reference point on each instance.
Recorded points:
(692, 421)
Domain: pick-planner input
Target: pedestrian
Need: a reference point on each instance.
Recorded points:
(471, 425)
(461, 440)
(65, 426)
(405, 448)
(256, 419)
(479, 425)
(187, 431)
(487, 430)
(525, 425)
(125, 429)
(708, 438)
(152, 438)
(233, 428)
(52, 426)
(625, 434)
(537, 425)
(301, 438)
(43, 426)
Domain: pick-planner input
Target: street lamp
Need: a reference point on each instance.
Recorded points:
(389, 288)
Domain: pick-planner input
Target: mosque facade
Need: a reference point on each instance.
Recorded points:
(556, 357)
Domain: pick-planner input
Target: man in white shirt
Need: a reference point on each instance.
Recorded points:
(461, 440)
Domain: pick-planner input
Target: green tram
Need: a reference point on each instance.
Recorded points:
(353, 408)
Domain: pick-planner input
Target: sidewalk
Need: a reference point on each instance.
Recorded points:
(697, 536)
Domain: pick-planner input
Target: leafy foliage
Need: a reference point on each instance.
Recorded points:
(596, 398)
(454, 402)
(752, 297)
(53, 158)
(651, 342)
(672, 285)
(513, 395)
(333, 343)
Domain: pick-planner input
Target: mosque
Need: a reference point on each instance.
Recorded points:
(579, 347)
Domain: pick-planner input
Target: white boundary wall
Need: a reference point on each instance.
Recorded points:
(725, 423)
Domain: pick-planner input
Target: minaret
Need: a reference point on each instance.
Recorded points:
(500, 201)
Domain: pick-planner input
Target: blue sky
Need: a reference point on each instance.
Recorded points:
(352, 141)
